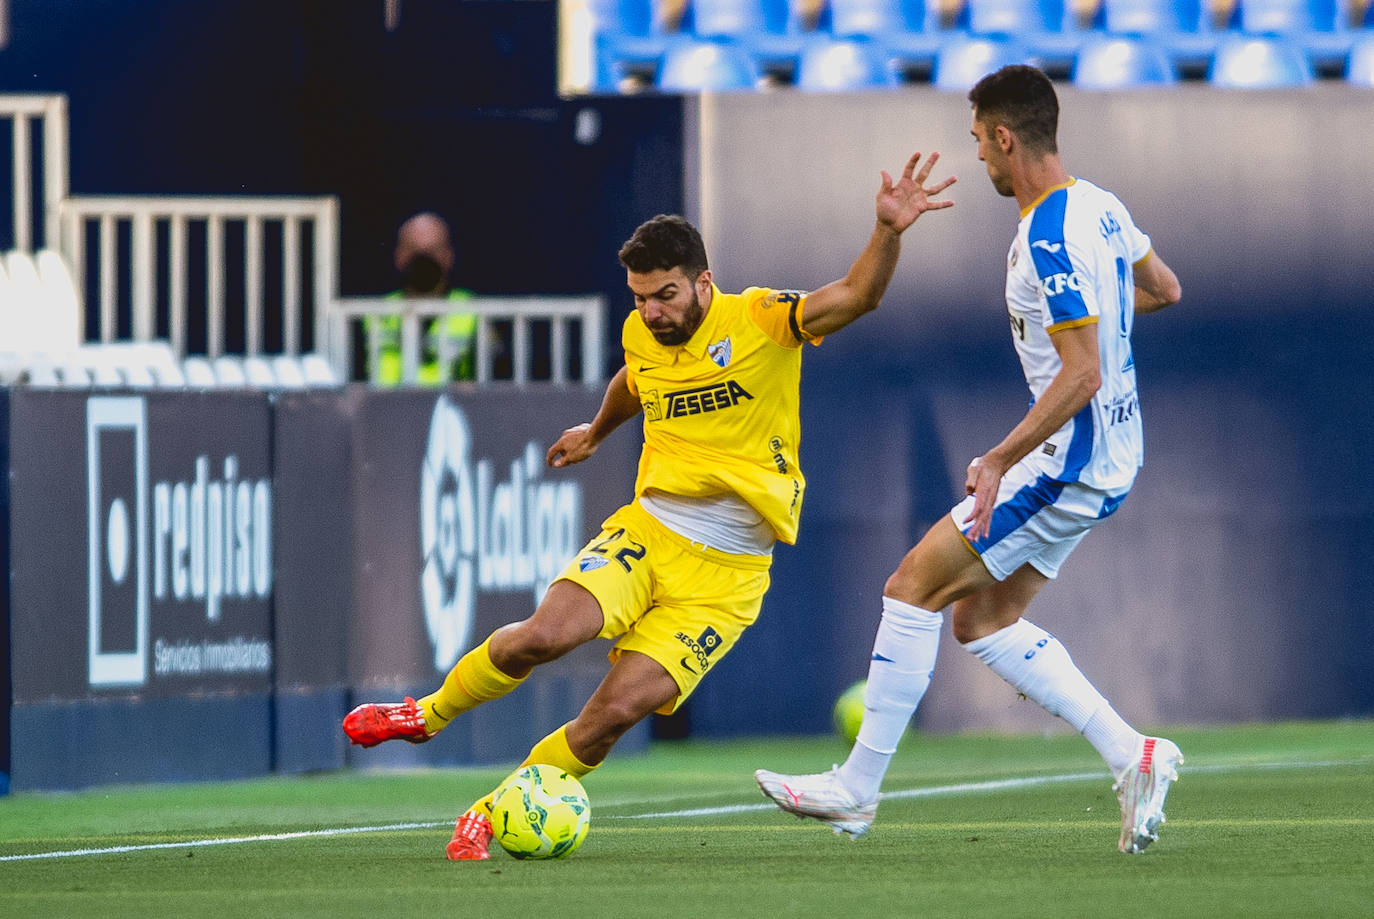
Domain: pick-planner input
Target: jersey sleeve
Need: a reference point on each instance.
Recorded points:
(778, 314)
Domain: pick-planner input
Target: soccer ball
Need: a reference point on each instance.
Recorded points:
(849, 712)
(540, 812)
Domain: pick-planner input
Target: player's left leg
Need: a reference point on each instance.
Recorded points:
(989, 625)
(635, 687)
(568, 616)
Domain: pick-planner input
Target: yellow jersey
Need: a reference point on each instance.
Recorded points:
(722, 411)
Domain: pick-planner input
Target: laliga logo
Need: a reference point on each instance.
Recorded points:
(481, 533)
(447, 536)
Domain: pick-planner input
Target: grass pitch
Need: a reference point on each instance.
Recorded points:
(1267, 820)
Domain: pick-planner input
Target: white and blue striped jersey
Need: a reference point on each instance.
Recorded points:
(1071, 265)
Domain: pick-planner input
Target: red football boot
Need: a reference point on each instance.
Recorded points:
(471, 838)
(370, 724)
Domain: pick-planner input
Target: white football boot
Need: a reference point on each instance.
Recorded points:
(820, 796)
(1141, 791)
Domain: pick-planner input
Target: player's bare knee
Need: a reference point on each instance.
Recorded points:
(533, 642)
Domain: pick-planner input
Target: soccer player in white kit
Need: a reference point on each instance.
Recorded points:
(1078, 271)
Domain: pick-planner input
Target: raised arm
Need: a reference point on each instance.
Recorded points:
(1156, 285)
(580, 441)
(839, 303)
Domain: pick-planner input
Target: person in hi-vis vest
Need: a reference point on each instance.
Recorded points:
(424, 258)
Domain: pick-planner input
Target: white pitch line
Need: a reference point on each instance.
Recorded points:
(929, 792)
(224, 841)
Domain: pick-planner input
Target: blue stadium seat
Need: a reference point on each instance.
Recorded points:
(877, 18)
(964, 60)
(695, 66)
(910, 30)
(1047, 28)
(829, 65)
(629, 38)
(1119, 62)
(1182, 27)
(1321, 27)
(1258, 62)
(1359, 66)
(767, 28)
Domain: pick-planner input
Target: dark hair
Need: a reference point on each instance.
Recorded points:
(663, 243)
(1022, 98)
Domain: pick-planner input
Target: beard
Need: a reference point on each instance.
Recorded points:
(679, 332)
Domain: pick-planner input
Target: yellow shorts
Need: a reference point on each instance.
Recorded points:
(680, 603)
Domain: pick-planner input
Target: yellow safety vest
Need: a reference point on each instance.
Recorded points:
(458, 331)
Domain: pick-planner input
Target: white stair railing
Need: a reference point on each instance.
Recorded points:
(562, 313)
(22, 111)
(147, 217)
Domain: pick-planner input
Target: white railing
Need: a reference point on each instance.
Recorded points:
(22, 111)
(561, 313)
(148, 217)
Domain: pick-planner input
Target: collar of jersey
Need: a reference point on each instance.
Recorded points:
(1049, 191)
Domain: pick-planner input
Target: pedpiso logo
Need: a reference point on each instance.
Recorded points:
(482, 534)
(203, 539)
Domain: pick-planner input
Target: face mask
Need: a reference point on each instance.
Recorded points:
(421, 274)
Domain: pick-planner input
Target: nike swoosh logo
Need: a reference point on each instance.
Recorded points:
(686, 666)
(644, 367)
(1048, 246)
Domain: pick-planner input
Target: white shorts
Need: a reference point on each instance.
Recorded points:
(1037, 520)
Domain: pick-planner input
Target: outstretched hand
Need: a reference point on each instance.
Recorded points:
(901, 203)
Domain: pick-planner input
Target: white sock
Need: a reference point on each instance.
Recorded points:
(898, 674)
(1037, 665)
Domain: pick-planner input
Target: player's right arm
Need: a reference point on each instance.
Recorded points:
(1156, 285)
(837, 304)
(579, 442)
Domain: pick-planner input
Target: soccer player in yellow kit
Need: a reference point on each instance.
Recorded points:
(678, 574)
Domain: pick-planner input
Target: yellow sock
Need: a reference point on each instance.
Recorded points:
(552, 750)
(472, 681)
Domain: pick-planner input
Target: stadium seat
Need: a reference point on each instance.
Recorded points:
(1320, 27)
(104, 369)
(1359, 66)
(1182, 27)
(198, 371)
(964, 60)
(229, 370)
(910, 30)
(287, 369)
(766, 28)
(67, 372)
(25, 292)
(696, 66)
(828, 66)
(169, 375)
(877, 18)
(1254, 62)
(317, 371)
(63, 306)
(41, 372)
(1048, 29)
(137, 375)
(628, 37)
(258, 373)
(1117, 62)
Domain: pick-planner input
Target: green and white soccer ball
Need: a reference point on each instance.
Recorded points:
(849, 711)
(540, 812)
